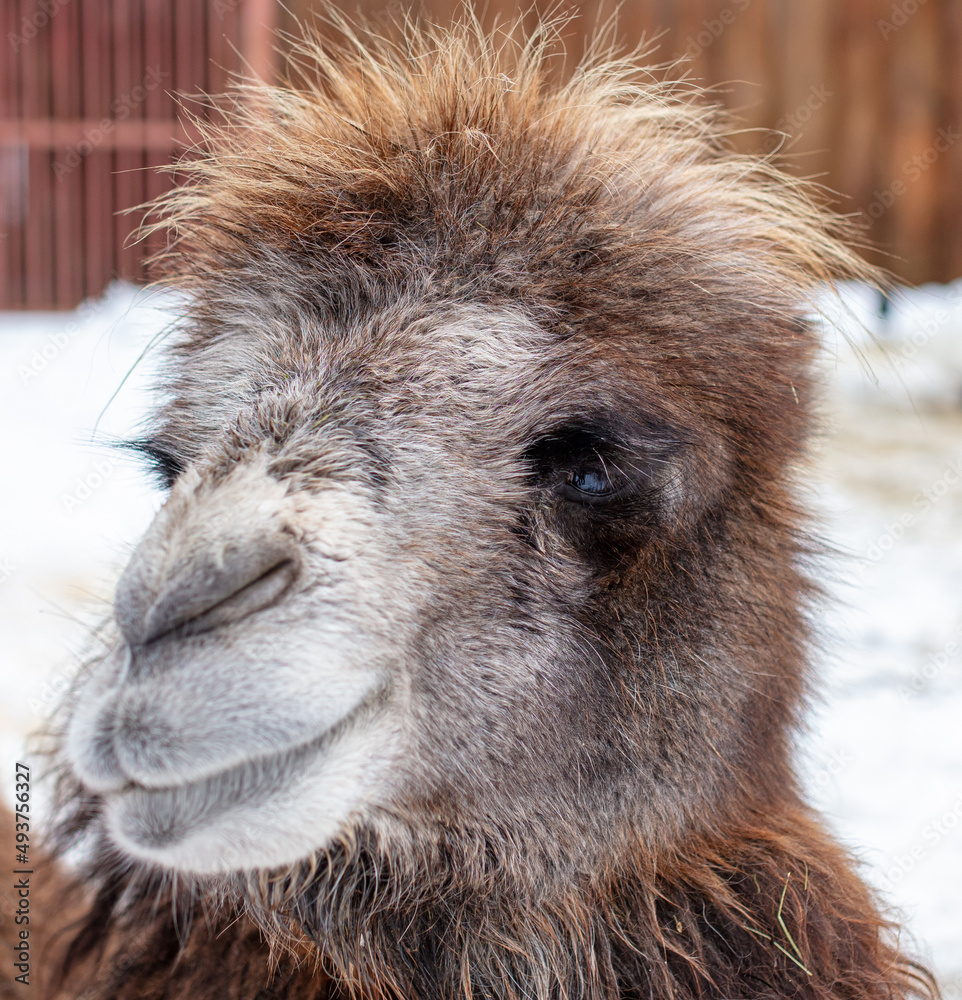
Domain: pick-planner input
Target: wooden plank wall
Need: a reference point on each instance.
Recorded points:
(868, 91)
(86, 117)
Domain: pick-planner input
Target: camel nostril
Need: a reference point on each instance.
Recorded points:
(260, 593)
(216, 586)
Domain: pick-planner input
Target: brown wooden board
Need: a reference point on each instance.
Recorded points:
(130, 85)
(36, 69)
(97, 165)
(948, 238)
(67, 180)
(160, 106)
(863, 90)
(12, 164)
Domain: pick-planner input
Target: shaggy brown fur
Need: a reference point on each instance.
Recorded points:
(644, 835)
(148, 958)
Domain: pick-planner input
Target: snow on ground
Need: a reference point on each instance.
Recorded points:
(884, 756)
(72, 505)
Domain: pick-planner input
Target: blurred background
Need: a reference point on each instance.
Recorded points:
(865, 96)
(868, 94)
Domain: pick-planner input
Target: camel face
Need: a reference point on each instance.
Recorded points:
(441, 555)
(368, 591)
(389, 574)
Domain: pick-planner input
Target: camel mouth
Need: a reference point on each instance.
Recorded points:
(221, 822)
(157, 817)
(218, 779)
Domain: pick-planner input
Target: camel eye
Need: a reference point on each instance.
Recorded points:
(582, 465)
(592, 482)
(595, 480)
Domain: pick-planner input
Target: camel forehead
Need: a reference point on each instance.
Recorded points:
(472, 382)
(467, 346)
(454, 356)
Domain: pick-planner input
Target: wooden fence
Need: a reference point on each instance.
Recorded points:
(86, 117)
(868, 91)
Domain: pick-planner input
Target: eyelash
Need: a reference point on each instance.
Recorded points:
(165, 465)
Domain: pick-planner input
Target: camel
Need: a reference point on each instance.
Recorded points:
(467, 652)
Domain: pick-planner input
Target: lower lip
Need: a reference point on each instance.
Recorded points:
(156, 818)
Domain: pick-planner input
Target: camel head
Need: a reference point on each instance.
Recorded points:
(480, 582)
